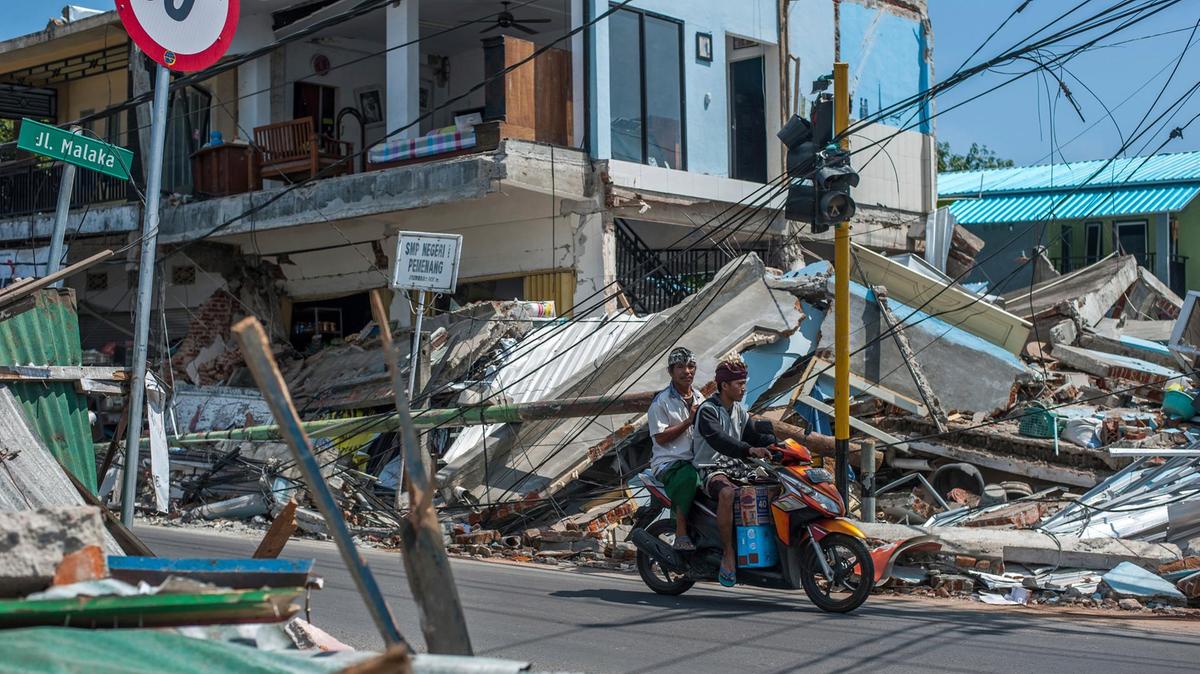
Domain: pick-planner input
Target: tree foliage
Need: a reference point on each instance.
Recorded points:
(976, 158)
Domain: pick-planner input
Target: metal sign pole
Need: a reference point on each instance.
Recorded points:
(145, 296)
(65, 188)
(413, 360)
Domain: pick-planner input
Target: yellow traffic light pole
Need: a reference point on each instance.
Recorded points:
(841, 301)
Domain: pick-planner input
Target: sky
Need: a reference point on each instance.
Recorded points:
(1020, 121)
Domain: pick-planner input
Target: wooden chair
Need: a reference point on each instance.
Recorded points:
(293, 151)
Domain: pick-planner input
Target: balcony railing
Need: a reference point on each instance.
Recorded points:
(657, 279)
(31, 186)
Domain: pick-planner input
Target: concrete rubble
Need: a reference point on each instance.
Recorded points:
(1026, 467)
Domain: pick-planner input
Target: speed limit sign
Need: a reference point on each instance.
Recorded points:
(183, 35)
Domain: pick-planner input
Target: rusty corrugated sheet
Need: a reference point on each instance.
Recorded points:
(45, 331)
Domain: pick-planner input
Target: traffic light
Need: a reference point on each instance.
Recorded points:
(820, 171)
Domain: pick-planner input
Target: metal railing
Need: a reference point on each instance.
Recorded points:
(658, 279)
(31, 186)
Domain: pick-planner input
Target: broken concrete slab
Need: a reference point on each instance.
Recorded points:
(1150, 298)
(1113, 342)
(36, 541)
(1032, 547)
(1154, 331)
(1130, 581)
(545, 456)
(1110, 365)
(1088, 293)
(944, 352)
(952, 304)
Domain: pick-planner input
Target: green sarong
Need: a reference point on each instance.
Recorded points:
(682, 481)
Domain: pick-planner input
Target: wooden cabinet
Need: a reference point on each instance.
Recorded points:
(533, 101)
(221, 170)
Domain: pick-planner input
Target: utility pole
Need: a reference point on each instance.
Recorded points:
(841, 302)
(145, 296)
(66, 187)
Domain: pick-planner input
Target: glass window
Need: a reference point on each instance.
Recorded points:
(664, 93)
(646, 89)
(625, 85)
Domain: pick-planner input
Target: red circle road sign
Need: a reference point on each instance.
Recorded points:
(183, 35)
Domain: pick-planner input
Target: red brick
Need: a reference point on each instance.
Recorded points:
(81, 565)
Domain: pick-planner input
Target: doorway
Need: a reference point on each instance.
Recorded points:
(748, 119)
(316, 101)
(1131, 239)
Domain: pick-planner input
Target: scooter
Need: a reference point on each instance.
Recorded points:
(818, 549)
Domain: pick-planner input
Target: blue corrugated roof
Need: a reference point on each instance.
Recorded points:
(1090, 203)
(1161, 168)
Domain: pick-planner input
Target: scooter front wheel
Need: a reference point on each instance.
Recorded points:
(657, 578)
(853, 574)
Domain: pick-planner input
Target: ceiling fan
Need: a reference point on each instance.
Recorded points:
(505, 19)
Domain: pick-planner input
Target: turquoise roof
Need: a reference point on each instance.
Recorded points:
(1067, 205)
(1126, 187)
(1162, 168)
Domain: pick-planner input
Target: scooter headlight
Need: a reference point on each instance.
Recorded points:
(819, 475)
(827, 504)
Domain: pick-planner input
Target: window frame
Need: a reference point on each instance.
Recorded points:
(1145, 225)
(1088, 256)
(645, 139)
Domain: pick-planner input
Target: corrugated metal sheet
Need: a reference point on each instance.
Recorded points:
(1077, 206)
(48, 334)
(31, 477)
(1175, 167)
(545, 359)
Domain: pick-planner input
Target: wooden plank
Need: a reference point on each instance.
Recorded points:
(857, 424)
(1031, 469)
(10, 296)
(237, 574)
(879, 391)
(256, 350)
(280, 532)
(62, 373)
(158, 610)
(425, 561)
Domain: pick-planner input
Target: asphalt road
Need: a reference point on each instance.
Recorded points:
(601, 622)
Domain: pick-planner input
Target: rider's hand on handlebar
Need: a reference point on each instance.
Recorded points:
(760, 453)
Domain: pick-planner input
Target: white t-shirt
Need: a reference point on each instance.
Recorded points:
(669, 409)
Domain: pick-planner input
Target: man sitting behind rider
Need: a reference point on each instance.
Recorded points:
(670, 420)
(725, 436)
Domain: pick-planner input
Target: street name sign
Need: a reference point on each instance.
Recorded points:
(89, 153)
(427, 261)
(183, 35)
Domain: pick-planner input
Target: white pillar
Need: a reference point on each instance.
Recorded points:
(601, 113)
(578, 64)
(254, 94)
(403, 67)
(1162, 247)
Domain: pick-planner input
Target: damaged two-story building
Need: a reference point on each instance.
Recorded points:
(601, 174)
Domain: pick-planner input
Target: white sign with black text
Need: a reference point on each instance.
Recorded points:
(427, 262)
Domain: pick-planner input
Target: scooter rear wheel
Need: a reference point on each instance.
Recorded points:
(653, 574)
(853, 574)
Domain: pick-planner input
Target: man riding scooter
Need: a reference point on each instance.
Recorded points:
(670, 420)
(725, 435)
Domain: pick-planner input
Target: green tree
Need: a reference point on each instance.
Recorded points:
(976, 158)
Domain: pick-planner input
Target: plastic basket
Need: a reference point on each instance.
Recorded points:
(1038, 422)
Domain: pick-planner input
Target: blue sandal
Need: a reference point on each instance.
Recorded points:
(727, 578)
